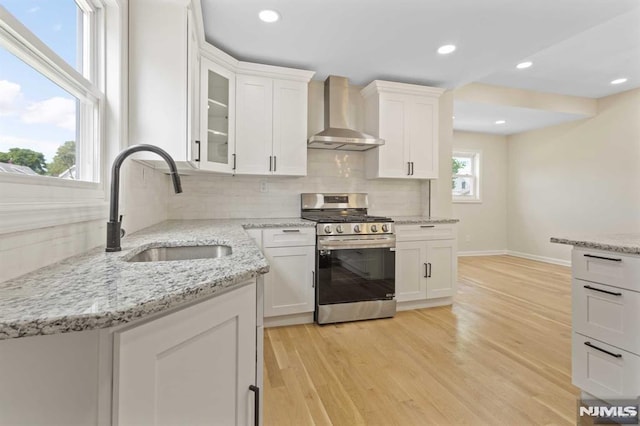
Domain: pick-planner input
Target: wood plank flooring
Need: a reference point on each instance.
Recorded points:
(501, 355)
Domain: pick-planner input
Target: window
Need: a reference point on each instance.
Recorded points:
(50, 91)
(466, 176)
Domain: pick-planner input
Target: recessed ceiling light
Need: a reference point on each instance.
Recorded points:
(446, 49)
(268, 15)
(501, 122)
(523, 65)
(619, 81)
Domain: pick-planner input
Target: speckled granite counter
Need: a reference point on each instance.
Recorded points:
(620, 243)
(99, 290)
(411, 220)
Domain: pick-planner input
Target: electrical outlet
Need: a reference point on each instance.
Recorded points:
(264, 187)
(467, 238)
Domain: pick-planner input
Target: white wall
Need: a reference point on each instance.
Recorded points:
(576, 178)
(143, 202)
(483, 226)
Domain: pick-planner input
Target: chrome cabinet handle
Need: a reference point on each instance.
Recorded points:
(612, 259)
(603, 350)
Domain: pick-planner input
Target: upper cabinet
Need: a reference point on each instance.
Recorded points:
(406, 117)
(215, 147)
(271, 121)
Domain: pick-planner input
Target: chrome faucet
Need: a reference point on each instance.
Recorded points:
(114, 225)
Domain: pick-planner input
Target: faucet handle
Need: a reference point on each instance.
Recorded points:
(122, 233)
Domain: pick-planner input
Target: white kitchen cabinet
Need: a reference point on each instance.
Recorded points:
(194, 366)
(606, 323)
(406, 117)
(289, 287)
(271, 125)
(216, 147)
(426, 263)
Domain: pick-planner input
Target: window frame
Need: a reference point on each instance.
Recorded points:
(476, 176)
(33, 202)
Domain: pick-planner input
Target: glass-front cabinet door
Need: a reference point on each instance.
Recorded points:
(217, 142)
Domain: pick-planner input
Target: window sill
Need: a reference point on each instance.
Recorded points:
(467, 200)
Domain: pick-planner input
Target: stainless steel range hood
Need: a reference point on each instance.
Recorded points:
(336, 133)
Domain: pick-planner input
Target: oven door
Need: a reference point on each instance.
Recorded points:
(355, 270)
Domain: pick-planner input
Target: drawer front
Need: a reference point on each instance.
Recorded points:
(607, 268)
(612, 375)
(288, 237)
(424, 232)
(606, 313)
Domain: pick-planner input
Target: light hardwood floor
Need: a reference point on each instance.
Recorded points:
(501, 355)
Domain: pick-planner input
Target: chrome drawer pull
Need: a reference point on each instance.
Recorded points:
(602, 291)
(290, 230)
(603, 350)
(612, 259)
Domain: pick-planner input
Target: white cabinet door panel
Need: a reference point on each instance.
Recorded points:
(289, 287)
(411, 282)
(194, 366)
(254, 124)
(442, 268)
(290, 127)
(393, 159)
(422, 138)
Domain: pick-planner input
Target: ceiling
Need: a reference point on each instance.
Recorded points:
(577, 47)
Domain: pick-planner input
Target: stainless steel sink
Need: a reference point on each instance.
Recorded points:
(160, 254)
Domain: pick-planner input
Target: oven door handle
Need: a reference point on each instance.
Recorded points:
(357, 244)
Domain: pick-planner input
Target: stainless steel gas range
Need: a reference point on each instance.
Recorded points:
(355, 258)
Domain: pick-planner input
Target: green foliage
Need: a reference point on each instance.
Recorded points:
(25, 157)
(456, 165)
(65, 158)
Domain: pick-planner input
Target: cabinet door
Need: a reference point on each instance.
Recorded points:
(422, 137)
(411, 271)
(217, 109)
(290, 127)
(442, 268)
(254, 125)
(393, 158)
(289, 285)
(193, 90)
(194, 366)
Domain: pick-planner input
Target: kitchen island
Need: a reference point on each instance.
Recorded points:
(605, 315)
(96, 339)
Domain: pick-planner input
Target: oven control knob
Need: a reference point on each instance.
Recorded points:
(339, 229)
(374, 228)
(327, 229)
(385, 228)
(356, 229)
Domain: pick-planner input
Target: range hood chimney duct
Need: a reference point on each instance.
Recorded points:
(337, 133)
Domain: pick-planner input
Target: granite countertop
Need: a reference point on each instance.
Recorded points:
(99, 290)
(620, 243)
(410, 220)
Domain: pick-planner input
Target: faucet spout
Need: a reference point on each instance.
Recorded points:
(114, 224)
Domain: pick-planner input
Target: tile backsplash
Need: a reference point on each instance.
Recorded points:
(219, 196)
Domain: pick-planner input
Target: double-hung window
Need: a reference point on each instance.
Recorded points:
(466, 176)
(52, 81)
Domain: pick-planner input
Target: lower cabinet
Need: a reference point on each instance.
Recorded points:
(426, 262)
(194, 366)
(289, 286)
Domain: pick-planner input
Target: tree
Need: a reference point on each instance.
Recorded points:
(25, 157)
(456, 165)
(65, 158)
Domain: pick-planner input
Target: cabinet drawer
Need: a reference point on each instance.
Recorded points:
(607, 268)
(607, 313)
(424, 232)
(288, 237)
(612, 375)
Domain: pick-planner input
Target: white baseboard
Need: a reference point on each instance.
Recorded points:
(294, 319)
(539, 258)
(482, 253)
(419, 304)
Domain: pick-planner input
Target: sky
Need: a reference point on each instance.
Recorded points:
(35, 113)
